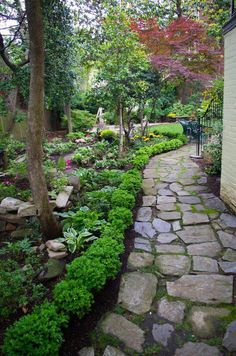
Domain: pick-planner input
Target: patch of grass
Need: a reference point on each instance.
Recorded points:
(161, 293)
(173, 128)
(130, 352)
(185, 325)
(215, 341)
(151, 269)
(191, 338)
(137, 319)
(152, 350)
(100, 340)
(118, 309)
(207, 211)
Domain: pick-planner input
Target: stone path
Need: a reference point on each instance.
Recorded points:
(178, 292)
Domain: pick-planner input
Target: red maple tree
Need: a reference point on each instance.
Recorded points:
(182, 49)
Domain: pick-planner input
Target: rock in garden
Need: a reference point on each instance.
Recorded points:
(189, 200)
(137, 291)
(216, 204)
(227, 240)
(149, 200)
(28, 209)
(140, 260)
(144, 214)
(145, 229)
(202, 180)
(130, 334)
(54, 268)
(166, 238)
(165, 200)
(228, 267)
(176, 187)
(87, 351)
(166, 207)
(165, 192)
(2, 226)
(57, 255)
(228, 220)
(194, 218)
(162, 333)
(172, 311)
(173, 265)
(197, 349)
(161, 225)
(172, 215)
(230, 255)
(20, 233)
(148, 183)
(197, 234)
(176, 226)
(205, 264)
(209, 249)
(185, 207)
(63, 197)
(11, 204)
(209, 289)
(142, 244)
(205, 321)
(183, 193)
(150, 173)
(170, 249)
(55, 245)
(112, 351)
(229, 341)
(74, 181)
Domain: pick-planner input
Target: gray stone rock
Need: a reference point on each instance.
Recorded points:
(202, 180)
(209, 249)
(204, 264)
(229, 341)
(185, 207)
(55, 245)
(137, 291)
(189, 200)
(197, 349)
(28, 209)
(206, 196)
(144, 214)
(130, 334)
(183, 193)
(196, 188)
(166, 238)
(194, 218)
(11, 204)
(145, 229)
(162, 333)
(75, 182)
(166, 207)
(150, 173)
(2, 226)
(165, 200)
(54, 268)
(228, 220)
(21, 233)
(176, 226)
(170, 249)
(63, 196)
(175, 187)
(197, 234)
(230, 255)
(170, 215)
(140, 259)
(57, 255)
(209, 289)
(149, 191)
(149, 200)
(142, 244)
(165, 192)
(112, 351)
(227, 240)
(186, 181)
(228, 267)
(215, 203)
(87, 351)
(205, 320)
(172, 311)
(173, 265)
(148, 183)
(161, 226)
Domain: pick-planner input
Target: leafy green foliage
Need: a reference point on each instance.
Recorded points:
(82, 120)
(76, 240)
(121, 214)
(108, 135)
(213, 150)
(121, 198)
(58, 146)
(140, 161)
(131, 181)
(100, 200)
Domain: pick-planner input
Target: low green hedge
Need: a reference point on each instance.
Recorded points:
(40, 332)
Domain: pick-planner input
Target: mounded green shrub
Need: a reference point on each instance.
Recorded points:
(140, 161)
(108, 135)
(122, 214)
(38, 333)
(131, 181)
(122, 198)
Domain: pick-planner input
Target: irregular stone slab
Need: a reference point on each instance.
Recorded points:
(209, 249)
(144, 214)
(194, 218)
(20, 233)
(227, 240)
(170, 249)
(149, 191)
(205, 264)
(172, 215)
(170, 179)
(186, 181)
(130, 334)
(57, 255)
(137, 291)
(202, 180)
(112, 351)
(228, 267)
(205, 320)
(175, 187)
(189, 200)
(209, 289)
(183, 193)
(87, 351)
(176, 226)
(228, 220)
(54, 268)
(140, 259)
(149, 200)
(166, 238)
(148, 183)
(161, 186)
(150, 173)
(165, 200)
(161, 225)
(173, 265)
(166, 207)
(207, 196)
(142, 244)
(197, 234)
(185, 207)
(172, 311)
(230, 255)
(197, 349)
(55, 245)
(63, 196)
(165, 192)
(11, 204)
(145, 229)
(196, 188)
(215, 203)
(229, 341)
(162, 333)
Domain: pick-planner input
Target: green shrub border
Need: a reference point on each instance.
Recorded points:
(40, 332)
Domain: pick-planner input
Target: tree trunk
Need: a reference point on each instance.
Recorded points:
(121, 130)
(48, 222)
(141, 117)
(67, 110)
(179, 8)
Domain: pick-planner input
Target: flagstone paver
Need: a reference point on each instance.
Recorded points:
(181, 250)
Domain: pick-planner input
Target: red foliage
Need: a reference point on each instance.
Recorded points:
(183, 48)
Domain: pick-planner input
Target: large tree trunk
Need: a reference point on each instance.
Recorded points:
(49, 225)
(179, 8)
(121, 130)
